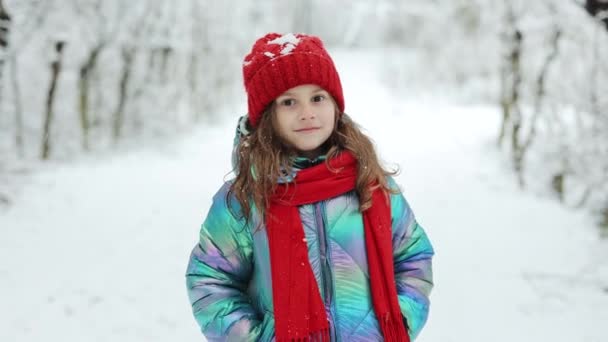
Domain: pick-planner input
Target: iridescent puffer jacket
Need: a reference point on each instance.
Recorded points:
(229, 276)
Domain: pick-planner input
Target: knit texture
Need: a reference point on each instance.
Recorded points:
(298, 309)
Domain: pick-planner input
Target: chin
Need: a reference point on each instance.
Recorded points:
(308, 148)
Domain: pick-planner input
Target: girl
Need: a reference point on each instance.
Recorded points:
(312, 241)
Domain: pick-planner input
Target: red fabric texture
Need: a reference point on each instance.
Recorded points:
(298, 308)
(278, 63)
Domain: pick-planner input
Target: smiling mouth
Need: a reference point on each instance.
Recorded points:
(310, 129)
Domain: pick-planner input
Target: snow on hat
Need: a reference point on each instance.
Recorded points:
(278, 62)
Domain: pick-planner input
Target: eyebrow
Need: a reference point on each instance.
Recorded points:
(318, 89)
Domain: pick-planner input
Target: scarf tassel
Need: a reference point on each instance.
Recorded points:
(393, 331)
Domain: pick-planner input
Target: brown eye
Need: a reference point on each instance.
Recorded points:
(288, 102)
(318, 98)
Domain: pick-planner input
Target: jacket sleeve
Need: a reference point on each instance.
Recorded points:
(218, 275)
(412, 252)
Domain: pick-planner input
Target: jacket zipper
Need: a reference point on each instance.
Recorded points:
(325, 268)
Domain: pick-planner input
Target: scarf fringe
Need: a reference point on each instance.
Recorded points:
(319, 336)
(393, 331)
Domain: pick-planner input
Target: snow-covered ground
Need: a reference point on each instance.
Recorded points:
(96, 250)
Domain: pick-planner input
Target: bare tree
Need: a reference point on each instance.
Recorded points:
(24, 28)
(510, 73)
(601, 9)
(604, 218)
(103, 32)
(511, 80)
(128, 92)
(17, 105)
(118, 118)
(86, 71)
(5, 23)
(50, 99)
(539, 97)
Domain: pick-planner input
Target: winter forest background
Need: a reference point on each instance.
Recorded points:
(78, 76)
(81, 79)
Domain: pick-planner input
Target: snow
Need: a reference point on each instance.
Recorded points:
(289, 40)
(96, 250)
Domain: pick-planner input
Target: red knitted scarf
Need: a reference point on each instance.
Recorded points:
(299, 311)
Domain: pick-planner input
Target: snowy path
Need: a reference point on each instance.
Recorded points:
(96, 250)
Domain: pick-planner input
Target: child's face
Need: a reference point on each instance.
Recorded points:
(305, 118)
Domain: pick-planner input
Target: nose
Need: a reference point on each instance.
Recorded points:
(307, 112)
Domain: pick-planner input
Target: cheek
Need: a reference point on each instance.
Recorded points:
(280, 124)
(329, 120)
(330, 117)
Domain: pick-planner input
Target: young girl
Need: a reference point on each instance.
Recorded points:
(312, 241)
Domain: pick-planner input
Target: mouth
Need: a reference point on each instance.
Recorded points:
(307, 129)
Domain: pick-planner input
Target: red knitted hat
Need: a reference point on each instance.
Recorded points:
(278, 62)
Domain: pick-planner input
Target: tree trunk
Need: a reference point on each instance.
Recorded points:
(127, 58)
(511, 79)
(166, 53)
(504, 105)
(18, 109)
(5, 23)
(523, 145)
(594, 82)
(84, 82)
(193, 67)
(604, 218)
(542, 80)
(50, 99)
(557, 184)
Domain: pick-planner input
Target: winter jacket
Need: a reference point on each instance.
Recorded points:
(229, 280)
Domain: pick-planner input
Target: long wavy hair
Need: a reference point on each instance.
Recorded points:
(263, 156)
